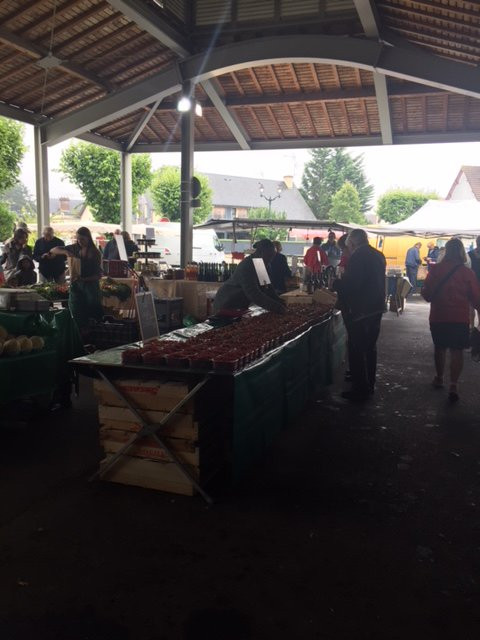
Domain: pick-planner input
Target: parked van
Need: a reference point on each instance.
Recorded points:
(206, 245)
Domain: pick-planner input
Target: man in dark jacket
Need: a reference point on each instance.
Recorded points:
(244, 289)
(361, 293)
(50, 269)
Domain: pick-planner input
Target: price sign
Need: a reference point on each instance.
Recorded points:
(262, 274)
(147, 316)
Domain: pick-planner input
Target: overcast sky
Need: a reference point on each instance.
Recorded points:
(420, 167)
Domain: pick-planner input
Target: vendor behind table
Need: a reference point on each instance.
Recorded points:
(314, 258)
(85, 298)
(243, 288)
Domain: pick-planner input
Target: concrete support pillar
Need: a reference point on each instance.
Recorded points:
(126, 191)
(186, 230)
(41, 182)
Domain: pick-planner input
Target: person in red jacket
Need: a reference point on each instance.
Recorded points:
(451, 288)
(314, 258)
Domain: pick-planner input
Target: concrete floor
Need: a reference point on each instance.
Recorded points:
(363, 523)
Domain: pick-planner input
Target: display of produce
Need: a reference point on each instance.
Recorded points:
(13, 346)
(51, 291)
(111, 288)
(229, 348)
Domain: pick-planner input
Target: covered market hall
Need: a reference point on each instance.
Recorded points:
(248, 500)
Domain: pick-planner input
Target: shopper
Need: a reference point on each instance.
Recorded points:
(474, 256)
(314, 258)
(412, 262)
(451, 288)
(361, 293)
(25, 274)
(13, 249)
(110, 252)
(51, 269)
(243, 288)
(332, 250)
(130, 247)
(84, 299)
(342, 243)
(278, 269)
(432, 255)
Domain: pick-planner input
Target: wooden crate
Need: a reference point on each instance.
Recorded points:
(121, 418)
(150, 451)
(144, 394)
(150, 474)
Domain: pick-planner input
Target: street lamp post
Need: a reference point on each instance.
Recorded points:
(270, 199)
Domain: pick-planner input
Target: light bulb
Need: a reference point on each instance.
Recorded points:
(184, 104)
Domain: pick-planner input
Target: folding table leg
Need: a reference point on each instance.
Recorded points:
(148, 429)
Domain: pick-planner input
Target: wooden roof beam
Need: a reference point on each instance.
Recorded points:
(142, 123)
(325, 141)
(368, 15)
(149, 21)
(413, 66)
(38, 52)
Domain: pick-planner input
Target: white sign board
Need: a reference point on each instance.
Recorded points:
(122, 252)
(147, 316)
(262, 274)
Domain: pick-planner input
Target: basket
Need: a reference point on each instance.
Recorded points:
(115, 268)
(106, 335)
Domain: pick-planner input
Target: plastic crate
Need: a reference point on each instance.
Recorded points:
(106, 335)
(115, 268)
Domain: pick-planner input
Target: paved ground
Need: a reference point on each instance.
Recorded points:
(363, 523)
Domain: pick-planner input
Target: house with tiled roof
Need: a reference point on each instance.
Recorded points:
(234, 196)
(466, 185)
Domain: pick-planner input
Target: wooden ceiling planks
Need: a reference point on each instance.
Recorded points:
(110, 46)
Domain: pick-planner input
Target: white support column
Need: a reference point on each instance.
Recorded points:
(126, 191)
(188, 144)
(41, 181)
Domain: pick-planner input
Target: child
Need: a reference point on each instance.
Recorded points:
(24, 274)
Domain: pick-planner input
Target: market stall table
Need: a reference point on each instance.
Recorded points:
(236, 416)
(38, 373)
(193, 292)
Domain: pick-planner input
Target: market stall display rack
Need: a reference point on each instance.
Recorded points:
(217, 423)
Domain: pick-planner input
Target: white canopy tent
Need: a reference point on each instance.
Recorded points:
(439, 218)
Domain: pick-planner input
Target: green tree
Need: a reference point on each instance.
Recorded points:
(7, 221)
(166, 195)
(20, 201)
(398, 204)
(272, 233)
(12, 151)
(324, 175)
(96, 172)
(346, 205)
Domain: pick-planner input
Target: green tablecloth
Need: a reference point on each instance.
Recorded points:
(42, 372)
(269, 396)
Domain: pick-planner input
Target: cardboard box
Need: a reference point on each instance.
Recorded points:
(145, 394)
(162, 476)
(180, 426)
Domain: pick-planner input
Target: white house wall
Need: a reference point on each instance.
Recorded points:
(462, 190)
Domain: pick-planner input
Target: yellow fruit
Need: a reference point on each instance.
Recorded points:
(11, 348)
(21, 337)
(37, 343)
(3, 333)
(25, 344)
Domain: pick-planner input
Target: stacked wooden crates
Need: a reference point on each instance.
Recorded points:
(146, 463)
